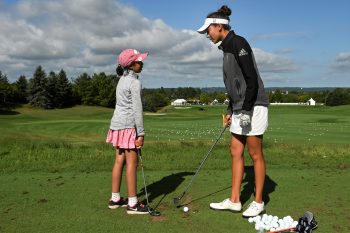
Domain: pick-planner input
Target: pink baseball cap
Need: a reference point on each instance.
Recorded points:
(128, 56)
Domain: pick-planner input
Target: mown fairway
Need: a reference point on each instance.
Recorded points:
(55, 170)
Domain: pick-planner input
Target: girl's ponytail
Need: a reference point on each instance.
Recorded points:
(120, 70)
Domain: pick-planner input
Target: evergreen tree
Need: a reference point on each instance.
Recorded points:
(22, 88)
(104, 87)
(83, 90)
(5, 92)
(38, 94)
(63, 91)
(52, 82)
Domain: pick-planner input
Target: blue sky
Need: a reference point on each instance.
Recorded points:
(296, 43)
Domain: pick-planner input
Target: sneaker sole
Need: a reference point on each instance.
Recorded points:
(113, 207)
(262, 212)
(136, 212)
(233, 211)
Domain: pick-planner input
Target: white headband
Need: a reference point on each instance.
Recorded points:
(209, 21)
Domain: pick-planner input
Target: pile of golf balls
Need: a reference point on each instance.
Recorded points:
(272, 223)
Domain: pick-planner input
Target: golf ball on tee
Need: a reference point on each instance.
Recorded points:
(185, 209)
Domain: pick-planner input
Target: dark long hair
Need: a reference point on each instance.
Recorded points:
(119, 70)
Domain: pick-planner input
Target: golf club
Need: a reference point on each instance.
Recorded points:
(151, 211)
(177, 199)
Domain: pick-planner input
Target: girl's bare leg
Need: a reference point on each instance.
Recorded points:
(131, 169)
(117, 170)
(254, 144)
(237, 150)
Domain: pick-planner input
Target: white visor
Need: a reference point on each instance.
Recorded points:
(209, 21)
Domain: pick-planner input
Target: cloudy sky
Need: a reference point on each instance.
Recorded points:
(296, 43)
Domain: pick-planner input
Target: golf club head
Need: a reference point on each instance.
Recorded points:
(153, 212)
(176, 201)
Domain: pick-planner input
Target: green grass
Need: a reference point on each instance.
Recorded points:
(55, 169)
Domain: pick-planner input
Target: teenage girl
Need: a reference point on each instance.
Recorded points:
(126, 131)
(247, 110)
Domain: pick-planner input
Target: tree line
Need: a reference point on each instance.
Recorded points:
(54, 90)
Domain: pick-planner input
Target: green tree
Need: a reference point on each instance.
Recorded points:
(22, 89)
(205, 98)
(52, 88)
(303, 97)
(38, 94)
(186, 93)
(63, 91)
(220, 97)
(275, 96)
(339, 96)
(154, 99)
(83, 91)
(104, 89)
(5, 92)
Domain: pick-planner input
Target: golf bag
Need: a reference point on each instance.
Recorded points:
(306, 224)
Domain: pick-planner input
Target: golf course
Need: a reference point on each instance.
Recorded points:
(55, 170)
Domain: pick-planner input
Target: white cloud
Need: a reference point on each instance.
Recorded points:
(86, 36)
(342, 62)
(269, 62)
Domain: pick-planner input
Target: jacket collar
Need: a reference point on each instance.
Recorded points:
(225, 43)
(131, 73)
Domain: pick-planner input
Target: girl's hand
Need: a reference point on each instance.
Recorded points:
(139, 142)
(227, 120)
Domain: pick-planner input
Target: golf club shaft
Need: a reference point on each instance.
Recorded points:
(202, 163)
(282, 230)
(143, 175)
(151, 211)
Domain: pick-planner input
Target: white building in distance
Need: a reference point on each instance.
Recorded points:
(311, 102)
(179, 102)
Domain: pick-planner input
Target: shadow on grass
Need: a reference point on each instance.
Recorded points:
(163, 187)
(249, 186)
(168, 184)
(8, 112)
(205, 196)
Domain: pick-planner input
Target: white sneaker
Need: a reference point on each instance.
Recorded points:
(254, 209)
(227, 205)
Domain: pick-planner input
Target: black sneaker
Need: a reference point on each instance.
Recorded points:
(116, 204)
(139, 208)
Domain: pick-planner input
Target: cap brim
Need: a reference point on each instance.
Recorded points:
(142, 57)
(204, 28)
(209, 21)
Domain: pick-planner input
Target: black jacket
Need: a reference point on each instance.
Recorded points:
(243, 83)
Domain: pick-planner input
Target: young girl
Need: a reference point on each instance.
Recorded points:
(126, 130)
(247, 110)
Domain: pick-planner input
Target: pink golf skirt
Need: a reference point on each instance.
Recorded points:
(123, 138)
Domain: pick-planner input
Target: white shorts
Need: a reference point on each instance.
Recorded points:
(258, 126)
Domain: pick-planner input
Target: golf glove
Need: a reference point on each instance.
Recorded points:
(244, 119)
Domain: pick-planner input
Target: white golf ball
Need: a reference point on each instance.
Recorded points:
(185, 209)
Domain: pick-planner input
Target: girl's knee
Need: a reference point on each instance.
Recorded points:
(256, 155)
(236, 153)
